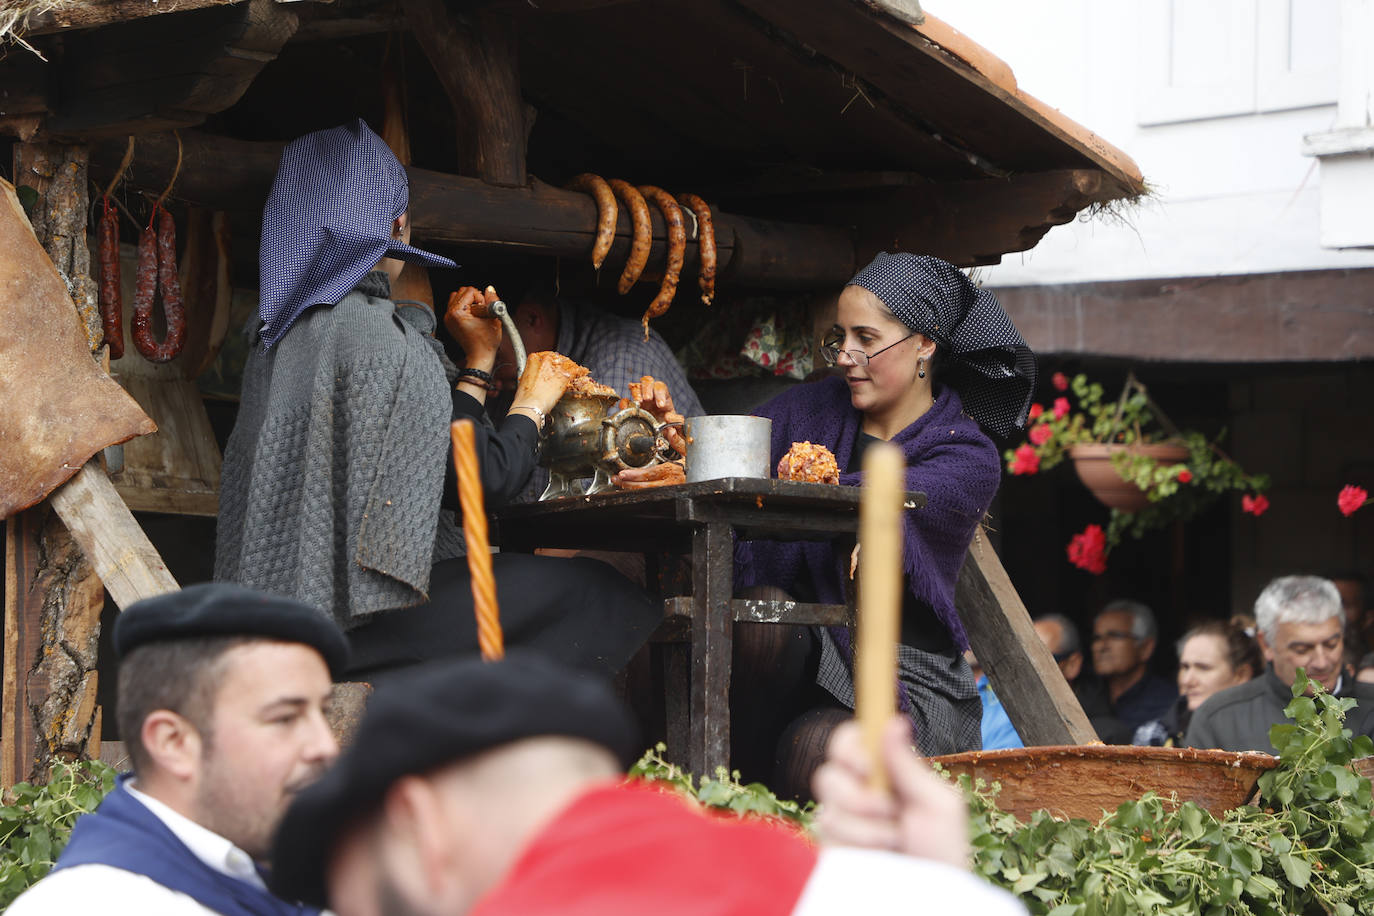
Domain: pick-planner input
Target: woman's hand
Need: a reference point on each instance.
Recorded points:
(653, 396)
(479, 337)
(544, 380)
(655, 475)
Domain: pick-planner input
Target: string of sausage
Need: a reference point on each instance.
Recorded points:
(706, 244)
(157, 271)
(677, 246)
(642, 229)
(606, 213)
(111, 308)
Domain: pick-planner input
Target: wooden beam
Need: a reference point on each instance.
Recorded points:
(165, 73)
(120, 552)
(477, 63)
(1243, 318)
(90, 14)
(226, 174)
(1020, 668)
(53, 601)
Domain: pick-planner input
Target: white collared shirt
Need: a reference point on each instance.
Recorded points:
(115, 892)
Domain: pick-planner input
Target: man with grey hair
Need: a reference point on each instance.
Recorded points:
(1123, 642)
(1301, 625)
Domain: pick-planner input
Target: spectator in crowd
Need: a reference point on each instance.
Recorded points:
(1365, 672)
(1211, 657)
(998, 732)
(1060, 636)
(496, 789)
(1123, 642)
(1301, 625)
(222, 697)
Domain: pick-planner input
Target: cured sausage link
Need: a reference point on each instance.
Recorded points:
(642, 229)
(157, 270)
(706, 244)
(677, 246)
(111, 309)
(606, 213)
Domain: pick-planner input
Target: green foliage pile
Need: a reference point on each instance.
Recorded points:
(1308, 849)
(36, 821)
(724, 792)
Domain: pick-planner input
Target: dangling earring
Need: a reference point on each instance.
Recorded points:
(921, 367)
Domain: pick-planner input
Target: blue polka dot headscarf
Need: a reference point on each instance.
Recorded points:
(328, 222)
(988, 363)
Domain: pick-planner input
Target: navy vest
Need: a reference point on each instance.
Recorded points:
(124, 834)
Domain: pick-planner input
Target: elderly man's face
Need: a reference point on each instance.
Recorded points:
(267, 740)
(1315, 647)
(1116, 651)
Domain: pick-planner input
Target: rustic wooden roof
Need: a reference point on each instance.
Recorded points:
(841, 112)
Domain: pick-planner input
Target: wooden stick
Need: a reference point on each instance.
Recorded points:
(489, 637)
(880, 598)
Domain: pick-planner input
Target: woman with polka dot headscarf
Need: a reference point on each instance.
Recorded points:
(927, 361)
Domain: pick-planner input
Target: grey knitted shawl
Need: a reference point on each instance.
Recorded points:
(334, 472)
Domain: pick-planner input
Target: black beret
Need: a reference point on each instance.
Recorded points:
(438, 714)
(225, 609)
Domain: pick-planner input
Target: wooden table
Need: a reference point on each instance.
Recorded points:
(698, 519)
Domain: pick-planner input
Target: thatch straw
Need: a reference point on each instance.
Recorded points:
(15, 16)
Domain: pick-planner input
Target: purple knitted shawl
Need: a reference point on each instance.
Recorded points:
(949, 458)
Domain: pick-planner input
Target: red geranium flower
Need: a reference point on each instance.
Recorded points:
(1255, 505)
(1041, 434)
(1036, 410)
(1060, 381)
(1061, 408)
(1351, 498)
(1185, 475)
(1027, 461)
(1088, 550)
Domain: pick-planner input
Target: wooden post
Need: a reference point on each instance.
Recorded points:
(477, 64)
(1020, 668)
(53, 601)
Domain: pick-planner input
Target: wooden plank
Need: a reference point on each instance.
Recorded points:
(162, 73)
(22, 641)
(1020, 668)
(101, 523)
(751, 610)
(90, 14)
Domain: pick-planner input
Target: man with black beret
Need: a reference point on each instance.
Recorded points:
(221, 704)
(496, 788)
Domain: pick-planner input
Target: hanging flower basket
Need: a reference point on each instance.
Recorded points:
(1095, 467)
(1133, 459)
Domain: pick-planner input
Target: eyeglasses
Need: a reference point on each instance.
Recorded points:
(830, 351)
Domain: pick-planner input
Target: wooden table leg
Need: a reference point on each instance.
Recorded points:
(712, 628)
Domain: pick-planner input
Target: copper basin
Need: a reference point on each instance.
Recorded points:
(1086, 780)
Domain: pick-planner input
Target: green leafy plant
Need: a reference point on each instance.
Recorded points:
(36, 821)
(724, 792)
(1307, 849)
(1174, 491)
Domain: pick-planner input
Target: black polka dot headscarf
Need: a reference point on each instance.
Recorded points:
(988, 363)
(328, 222)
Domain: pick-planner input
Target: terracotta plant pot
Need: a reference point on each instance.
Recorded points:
(1093, 462)
(1086, 780)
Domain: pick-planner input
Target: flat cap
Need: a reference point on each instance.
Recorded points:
(225, 609)
(439, 714)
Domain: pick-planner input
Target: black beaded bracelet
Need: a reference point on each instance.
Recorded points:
(474, 377)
